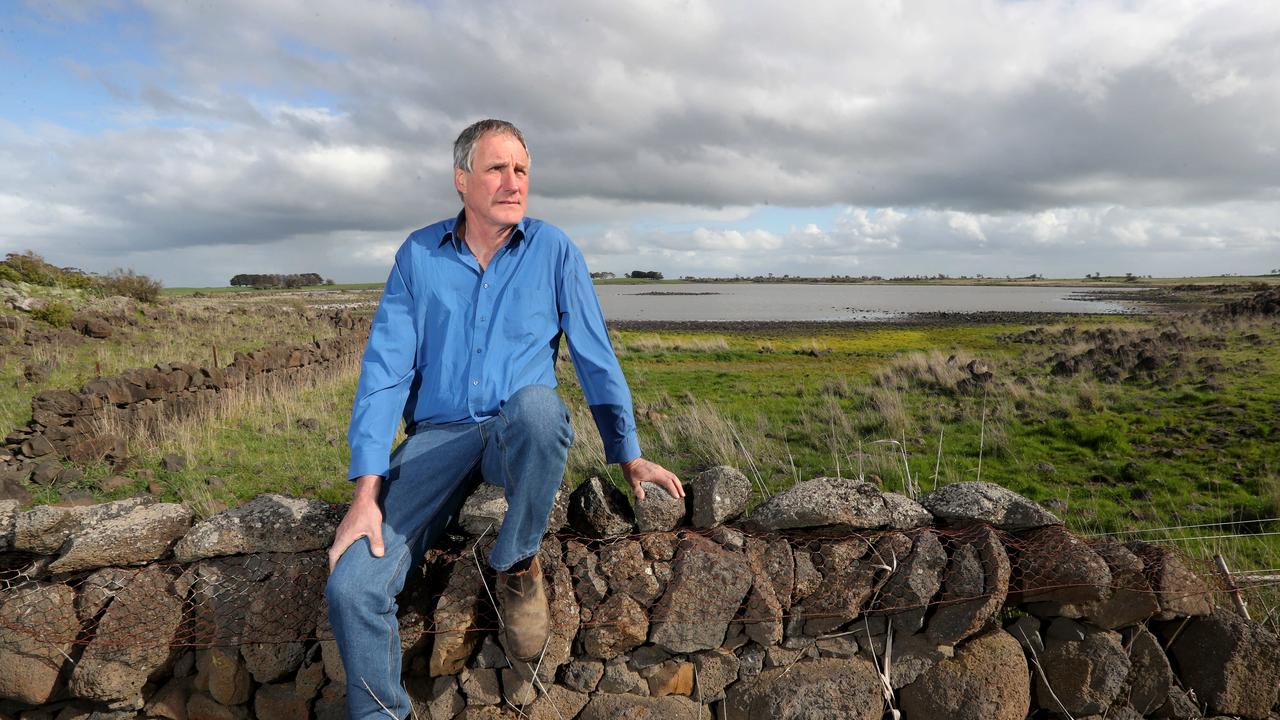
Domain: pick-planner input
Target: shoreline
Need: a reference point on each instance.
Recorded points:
(929, 319)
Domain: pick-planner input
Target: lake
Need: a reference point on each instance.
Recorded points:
(835, 302)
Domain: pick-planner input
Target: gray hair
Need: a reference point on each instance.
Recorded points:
(464, 148)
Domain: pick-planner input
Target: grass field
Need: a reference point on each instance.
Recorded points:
(189, 331)
(1190, 444)
(1117, 453)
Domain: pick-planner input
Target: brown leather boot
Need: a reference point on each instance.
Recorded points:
(526, 618)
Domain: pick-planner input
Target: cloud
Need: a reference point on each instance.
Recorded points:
(954, 126)
(890, 242)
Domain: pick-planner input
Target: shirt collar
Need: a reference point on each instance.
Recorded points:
(517, 235)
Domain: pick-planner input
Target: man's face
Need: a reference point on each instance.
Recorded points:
(496, 189)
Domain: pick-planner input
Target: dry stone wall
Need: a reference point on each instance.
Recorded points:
(831, 599)
(88, 425)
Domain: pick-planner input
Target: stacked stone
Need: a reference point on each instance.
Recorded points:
(67, 424)
(127, 610)
(832, 599)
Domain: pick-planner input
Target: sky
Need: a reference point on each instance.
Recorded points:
(192, 141)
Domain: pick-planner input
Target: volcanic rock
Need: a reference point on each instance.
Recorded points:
(983, 502)
(717, 496)
(43, 529)
(840, 503)
(40, 626)
(1082, 677)
(144, 533)
(707, 587)
(267, 523)
(1231, 663)
(974, 586)
(659, 511)
(598, 509)
(632, 707)
(146, 613)
(822, 689)
(987, 679)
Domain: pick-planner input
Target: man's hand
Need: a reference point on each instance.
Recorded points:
(642, 471)
(363, 519)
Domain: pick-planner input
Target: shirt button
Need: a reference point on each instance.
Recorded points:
(477, 351)
(485, 286)
(475, 382)
(484, 318)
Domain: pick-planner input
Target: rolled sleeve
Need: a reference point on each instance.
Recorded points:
(386, 373)
(597, 366)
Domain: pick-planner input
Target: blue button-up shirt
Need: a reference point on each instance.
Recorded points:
(451, 342)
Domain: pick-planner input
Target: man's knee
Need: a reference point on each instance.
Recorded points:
(340, 592)
(537, 412)
(353, 586)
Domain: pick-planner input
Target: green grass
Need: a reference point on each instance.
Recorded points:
(253, 442)
(1120, 455)
(877, 401)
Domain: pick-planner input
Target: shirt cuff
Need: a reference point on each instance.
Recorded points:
(368, 462)
(617, 432)
(624, 450)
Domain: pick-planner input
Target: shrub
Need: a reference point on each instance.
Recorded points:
(131, 284)
(30, 268)
(56, 314)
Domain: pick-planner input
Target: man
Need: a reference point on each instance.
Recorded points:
(463, 347)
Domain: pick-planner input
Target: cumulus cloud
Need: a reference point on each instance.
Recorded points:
(312, 131)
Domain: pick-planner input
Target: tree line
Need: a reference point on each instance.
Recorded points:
(278, 280)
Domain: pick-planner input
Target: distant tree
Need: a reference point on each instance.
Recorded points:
(645, 275)
(602, 275)
(263, 281)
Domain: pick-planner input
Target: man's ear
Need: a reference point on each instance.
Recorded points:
(460, 180)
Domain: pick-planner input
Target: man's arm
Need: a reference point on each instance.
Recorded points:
(390, 359)
(601, 377)
(363, 519)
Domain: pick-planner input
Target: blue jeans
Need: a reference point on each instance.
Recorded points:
(522, 449)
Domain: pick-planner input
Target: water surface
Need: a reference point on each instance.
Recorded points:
(834, 302)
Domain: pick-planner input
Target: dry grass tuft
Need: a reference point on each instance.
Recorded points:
(928, 370)
(657, 343)
(888, 404)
